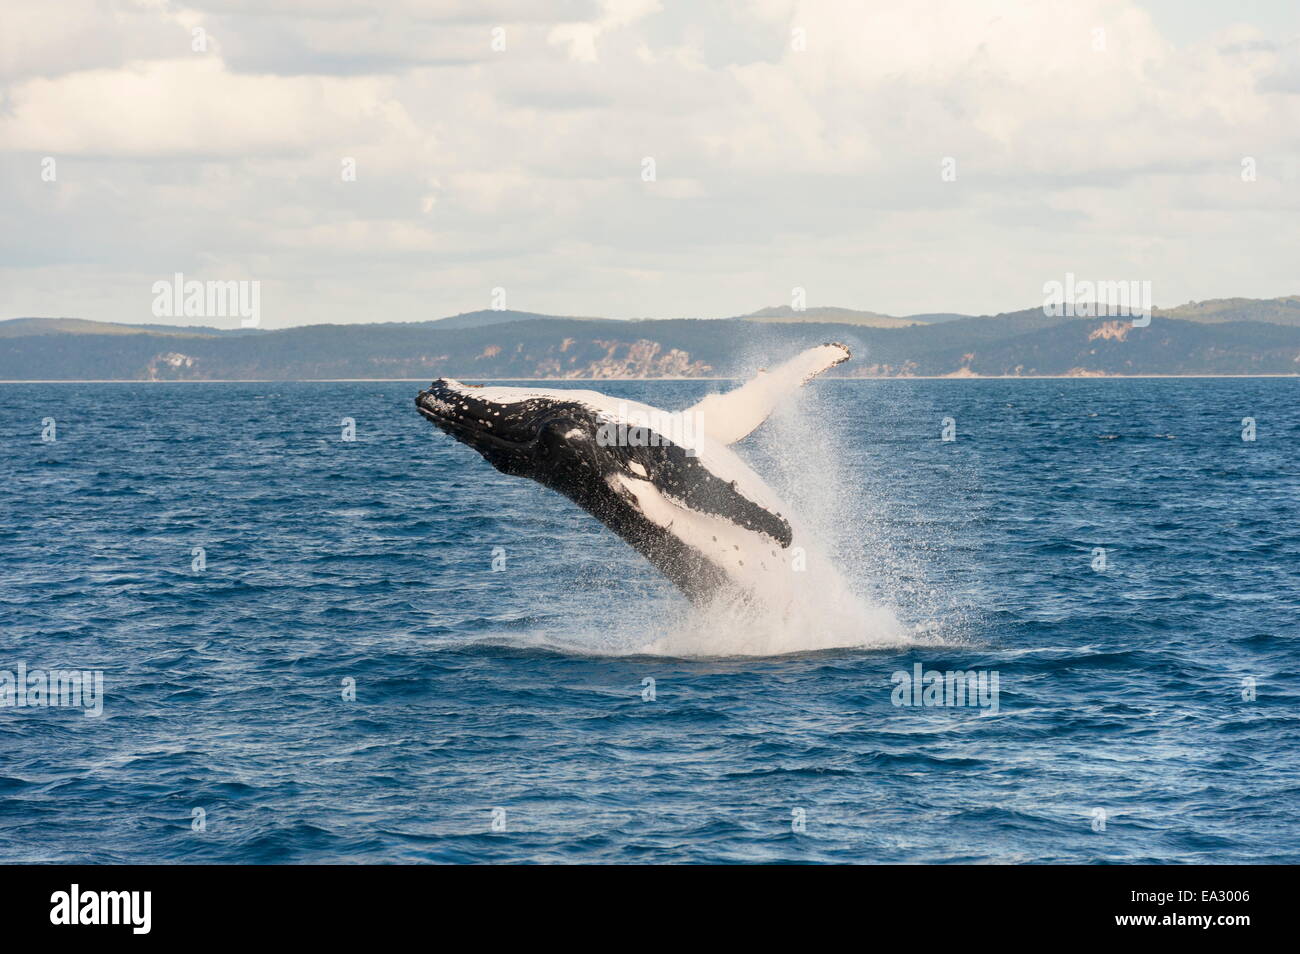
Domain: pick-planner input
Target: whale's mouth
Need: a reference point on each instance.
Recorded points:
(485, 426)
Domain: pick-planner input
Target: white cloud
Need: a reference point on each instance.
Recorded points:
(195, 106)
(776, 166)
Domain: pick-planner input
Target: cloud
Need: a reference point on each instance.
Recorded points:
(55, 38)
(794, 143)
(195, 106)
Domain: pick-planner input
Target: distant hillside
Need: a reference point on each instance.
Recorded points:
(481, 319)
(19, 327)
(847, 316)
(1280, 311)
(1223, 339)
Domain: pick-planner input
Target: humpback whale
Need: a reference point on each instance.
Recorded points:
(667, 482)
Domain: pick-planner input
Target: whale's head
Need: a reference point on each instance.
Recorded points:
(519, 432)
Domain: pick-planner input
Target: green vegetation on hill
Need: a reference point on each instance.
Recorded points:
(845, 316)
(1280, 311)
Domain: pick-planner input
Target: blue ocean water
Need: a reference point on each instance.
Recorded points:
(1147, 711)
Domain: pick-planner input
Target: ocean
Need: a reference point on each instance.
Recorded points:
(328, 633)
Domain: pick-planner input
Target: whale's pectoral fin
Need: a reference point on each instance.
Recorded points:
(729, 417)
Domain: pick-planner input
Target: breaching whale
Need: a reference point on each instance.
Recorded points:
(667, 482)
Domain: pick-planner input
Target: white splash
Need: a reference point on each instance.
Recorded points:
(819, 619)
(827, 604)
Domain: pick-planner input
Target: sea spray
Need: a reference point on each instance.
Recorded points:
(827, 453)
(819, 606)
(824, 616)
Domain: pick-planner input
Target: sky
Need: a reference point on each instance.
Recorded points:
(642, 158)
